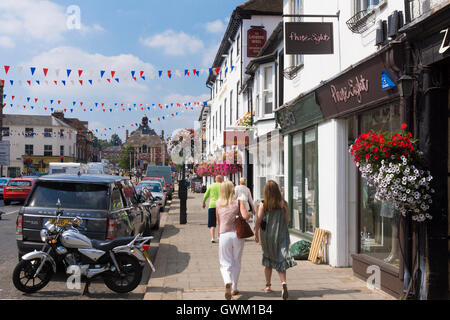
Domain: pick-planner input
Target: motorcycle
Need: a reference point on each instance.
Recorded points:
(119, 261)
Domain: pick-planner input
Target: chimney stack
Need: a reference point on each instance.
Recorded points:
(58, 114)
(126, 135)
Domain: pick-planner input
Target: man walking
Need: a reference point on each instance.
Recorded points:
(213, 194)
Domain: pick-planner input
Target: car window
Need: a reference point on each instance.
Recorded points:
(71, 195)
(19, 184)
(116, 199)
(153, 187)
(129, 193)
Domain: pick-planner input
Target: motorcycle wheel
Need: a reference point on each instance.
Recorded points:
(130, 277)
(23, 275)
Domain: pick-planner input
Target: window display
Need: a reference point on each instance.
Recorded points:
(379, 221)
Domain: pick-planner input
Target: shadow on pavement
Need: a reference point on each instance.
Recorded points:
(294, 294)
(169, 231)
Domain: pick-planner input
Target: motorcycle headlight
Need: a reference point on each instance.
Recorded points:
(44, 234)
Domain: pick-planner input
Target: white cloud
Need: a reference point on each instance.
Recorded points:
(209, 54)
(64, 58)
(174, 43)
(41, 20)
(216, 26)
(7, 42)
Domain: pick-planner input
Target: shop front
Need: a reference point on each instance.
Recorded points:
(354, 102)
(428, 39)
(298, 121)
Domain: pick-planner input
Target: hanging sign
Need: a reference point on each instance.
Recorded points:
(309, 37)
(256, 38)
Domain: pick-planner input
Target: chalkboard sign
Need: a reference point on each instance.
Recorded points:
(309, 37)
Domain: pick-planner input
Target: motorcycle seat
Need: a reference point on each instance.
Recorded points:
(107, 245)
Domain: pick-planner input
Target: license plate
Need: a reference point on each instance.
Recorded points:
(63, 221)
(148, 260)
(17, 190)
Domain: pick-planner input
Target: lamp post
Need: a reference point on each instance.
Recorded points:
(182, 194)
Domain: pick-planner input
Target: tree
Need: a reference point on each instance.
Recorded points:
(124, 162)
(115, 140)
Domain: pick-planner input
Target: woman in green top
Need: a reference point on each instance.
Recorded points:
(273, 221)
(213, 194)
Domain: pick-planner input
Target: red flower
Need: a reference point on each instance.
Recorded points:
(404, 126)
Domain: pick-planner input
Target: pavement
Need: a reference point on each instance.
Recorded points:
(187, 267)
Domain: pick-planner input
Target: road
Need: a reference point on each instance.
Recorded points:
(57, 288)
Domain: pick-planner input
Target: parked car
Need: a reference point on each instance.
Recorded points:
(17, 189)
(156, 188)
(107, 204)
(3, 183)
(153, 207)
(163, 171)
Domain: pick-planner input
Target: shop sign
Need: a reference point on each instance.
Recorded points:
(286, 118)
(235, 138)
(309, 37)
(445, 45)
(256, 38)
(355, 88)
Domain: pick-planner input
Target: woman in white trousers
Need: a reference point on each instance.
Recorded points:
(230, 246)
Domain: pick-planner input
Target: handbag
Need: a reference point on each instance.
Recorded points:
(243, 229)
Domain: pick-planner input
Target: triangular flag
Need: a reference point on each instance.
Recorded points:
(102, 72)
(132, 73)
(45, 71)
(90, 81)
(64, 82)
(33, 69)
(160, 73)
(117, 79)
(81, 82)
(68, 72)
(10, 81)
(112, 74)
(6, 69)
(80, 72)
(141, 74)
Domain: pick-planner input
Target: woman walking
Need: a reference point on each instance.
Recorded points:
(230, 246)
(271, 230)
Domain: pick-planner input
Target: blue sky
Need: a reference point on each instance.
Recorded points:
(114, 35)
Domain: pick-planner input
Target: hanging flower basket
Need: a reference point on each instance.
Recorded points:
(392, 165)
(245, 121)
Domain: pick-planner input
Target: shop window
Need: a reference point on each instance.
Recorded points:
(378, 221)
(304, 182)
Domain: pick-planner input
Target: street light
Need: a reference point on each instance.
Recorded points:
(405, 86)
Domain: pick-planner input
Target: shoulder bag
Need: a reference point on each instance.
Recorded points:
(243, 229)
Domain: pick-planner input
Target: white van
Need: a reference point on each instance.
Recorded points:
(67, 167)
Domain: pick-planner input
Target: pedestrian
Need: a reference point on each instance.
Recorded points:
(271, 230)
(230, 246)
(213, 194)
(242, 192)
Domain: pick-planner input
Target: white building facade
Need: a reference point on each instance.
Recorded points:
(228, 104)
(40, 138)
